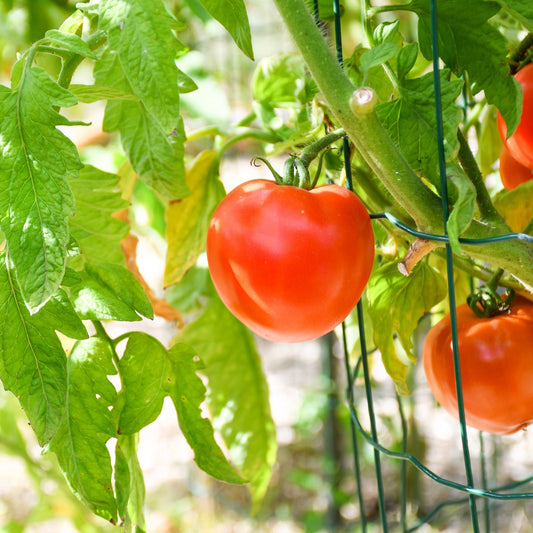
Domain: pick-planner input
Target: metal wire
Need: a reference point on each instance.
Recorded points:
(499, 493)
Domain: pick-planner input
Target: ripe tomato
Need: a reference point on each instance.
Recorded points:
(290, 263)
(512, 173)
(496, 357)
(520, 143)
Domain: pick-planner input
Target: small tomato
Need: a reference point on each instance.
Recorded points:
(520, 143)
(496, 356)
(290, 263)
(512, 173)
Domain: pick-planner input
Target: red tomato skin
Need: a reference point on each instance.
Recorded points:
(520, 143)
(512, 173)
(290, 263)
(496, 357)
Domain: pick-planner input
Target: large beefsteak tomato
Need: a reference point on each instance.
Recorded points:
(290, 263)
(496, 360)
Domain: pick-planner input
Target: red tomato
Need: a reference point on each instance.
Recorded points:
(496, 357)
(520, 143)
(512, 173)
(290, 263)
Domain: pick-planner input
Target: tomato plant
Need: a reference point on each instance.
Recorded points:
(520, 143)
(290, 263)
(496, 357)
(512, 173)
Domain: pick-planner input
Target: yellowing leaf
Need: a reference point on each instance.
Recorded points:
(397, 303)
(516, 206)
(188, 219)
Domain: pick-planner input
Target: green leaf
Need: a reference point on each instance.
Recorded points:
(397, 303)
(109, 292)
(93, 93)
(97, 233)
(378, 55)
(463, 208)
(522, 7)
(411, 122)
(129, 483)
(188, 393)
(87, 425)
(144, 368)
(406, 59)
(232, 15)
(71, 42)
(386, 32)
(36, 202)
(151, 130)
(188, 219)
(490, 142)
(470, 43)
(32, 362)
(150, 373)
(516, 206)
(282, 81)
(59, 312)
(237, 392)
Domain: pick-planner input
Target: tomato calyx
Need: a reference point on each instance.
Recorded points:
(486, 302)
(296, 168)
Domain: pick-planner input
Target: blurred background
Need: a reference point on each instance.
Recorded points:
(313, 488)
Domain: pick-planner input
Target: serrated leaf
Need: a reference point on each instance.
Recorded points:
(32, 362)
(150, 373)
(129, 483)
(137, 63)
(188, 219)
(155, 154)
(411, 122)
(71, 42)
(93, 93)
(463, 207)
(396, 304)
(87, 425)
(233, 16)
(97, 233)
(516, 206)
(378, 55)
(188, 393)
(237, 392)
(470, 43)
(147, 62)
(109, 292)
(36, 202)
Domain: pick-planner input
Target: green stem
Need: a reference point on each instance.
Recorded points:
(471, 168)
(70, 65)
(372, 141)
(311, 151)
(365, 131)
(521, 52)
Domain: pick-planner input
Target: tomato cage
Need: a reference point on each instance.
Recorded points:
(473, 493)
